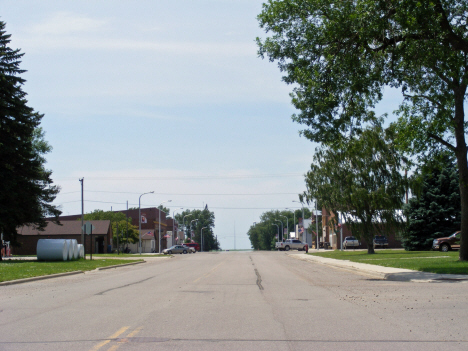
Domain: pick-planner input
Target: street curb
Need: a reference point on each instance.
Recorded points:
(50, 276)
(384, 273)
(119, 265)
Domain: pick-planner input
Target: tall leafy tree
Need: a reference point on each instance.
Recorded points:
(435, 210)
(361, 178)
(340, 55)
(204, 219)
(26, 187)
(263, 234)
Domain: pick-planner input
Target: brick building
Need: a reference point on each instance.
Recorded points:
(149, 223)
(67, 229)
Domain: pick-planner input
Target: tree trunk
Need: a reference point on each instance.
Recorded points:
(369, 234)
(461, 154)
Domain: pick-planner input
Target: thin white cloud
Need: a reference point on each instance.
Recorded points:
(72, 42)
(69, 31)
(66, 23)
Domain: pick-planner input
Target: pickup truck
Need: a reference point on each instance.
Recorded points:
(448, 243)
(350, 241)
(291, 244)
(380, 241)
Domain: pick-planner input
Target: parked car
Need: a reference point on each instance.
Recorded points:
(446, 244)
(195, 246)
(191, 249)
(176, 249)
(350, 241)
(291, 244)
(380, 241)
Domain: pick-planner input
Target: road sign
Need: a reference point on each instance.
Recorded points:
(88, 228)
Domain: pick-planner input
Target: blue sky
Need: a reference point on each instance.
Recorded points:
(163, 96)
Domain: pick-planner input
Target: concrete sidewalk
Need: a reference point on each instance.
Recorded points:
(379, 272)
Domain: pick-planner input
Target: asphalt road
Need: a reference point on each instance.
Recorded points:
(232, 301)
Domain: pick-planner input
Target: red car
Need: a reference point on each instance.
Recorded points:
(194, 245)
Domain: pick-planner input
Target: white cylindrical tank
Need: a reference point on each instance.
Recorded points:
(75, 249)
(52, 250)
(80, 251)
(69, 249)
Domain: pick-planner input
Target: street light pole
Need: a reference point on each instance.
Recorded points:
(159, 223)
(185, 228)
(277, 231)
(302, 217)
(174, 223)
(282, 230)
(193, 220)
(201, 235)
(139, 218)
(287, 226)
(316, 225)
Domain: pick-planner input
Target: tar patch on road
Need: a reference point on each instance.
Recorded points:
(259, 277)
(259, 280)
(124, 286)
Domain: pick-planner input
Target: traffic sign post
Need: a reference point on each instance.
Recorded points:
(88, 228)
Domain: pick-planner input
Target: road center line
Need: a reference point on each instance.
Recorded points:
(210, 272)
(113, 336)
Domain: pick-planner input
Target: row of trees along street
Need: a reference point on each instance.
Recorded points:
(263, 234)
(341, 56)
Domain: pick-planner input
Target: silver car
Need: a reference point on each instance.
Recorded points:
(176, 249)
(191, 249)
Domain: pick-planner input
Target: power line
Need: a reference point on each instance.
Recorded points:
(183, 194)
(193, 207)
(192, 177)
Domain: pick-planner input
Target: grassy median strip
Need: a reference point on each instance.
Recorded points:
(13, 269)
(425, 261)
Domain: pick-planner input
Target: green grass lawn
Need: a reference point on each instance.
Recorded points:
(425, 261)
(15, 269)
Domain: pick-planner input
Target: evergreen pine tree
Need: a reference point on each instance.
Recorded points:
(26, 190)
(436, 211)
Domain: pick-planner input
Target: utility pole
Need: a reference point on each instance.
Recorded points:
(118, 250)
(316, 223)
(82, 218)
(127, 226)
(234, 235)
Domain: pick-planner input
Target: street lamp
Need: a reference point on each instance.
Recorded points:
(139, 217)
(294, 213)
(287, 226)
(193, 220)
(201, 235)
(302, 216)
(316, 226)
(277, 231)
(184, 221)
(174, 233)
(159, 223)
(282, 230)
